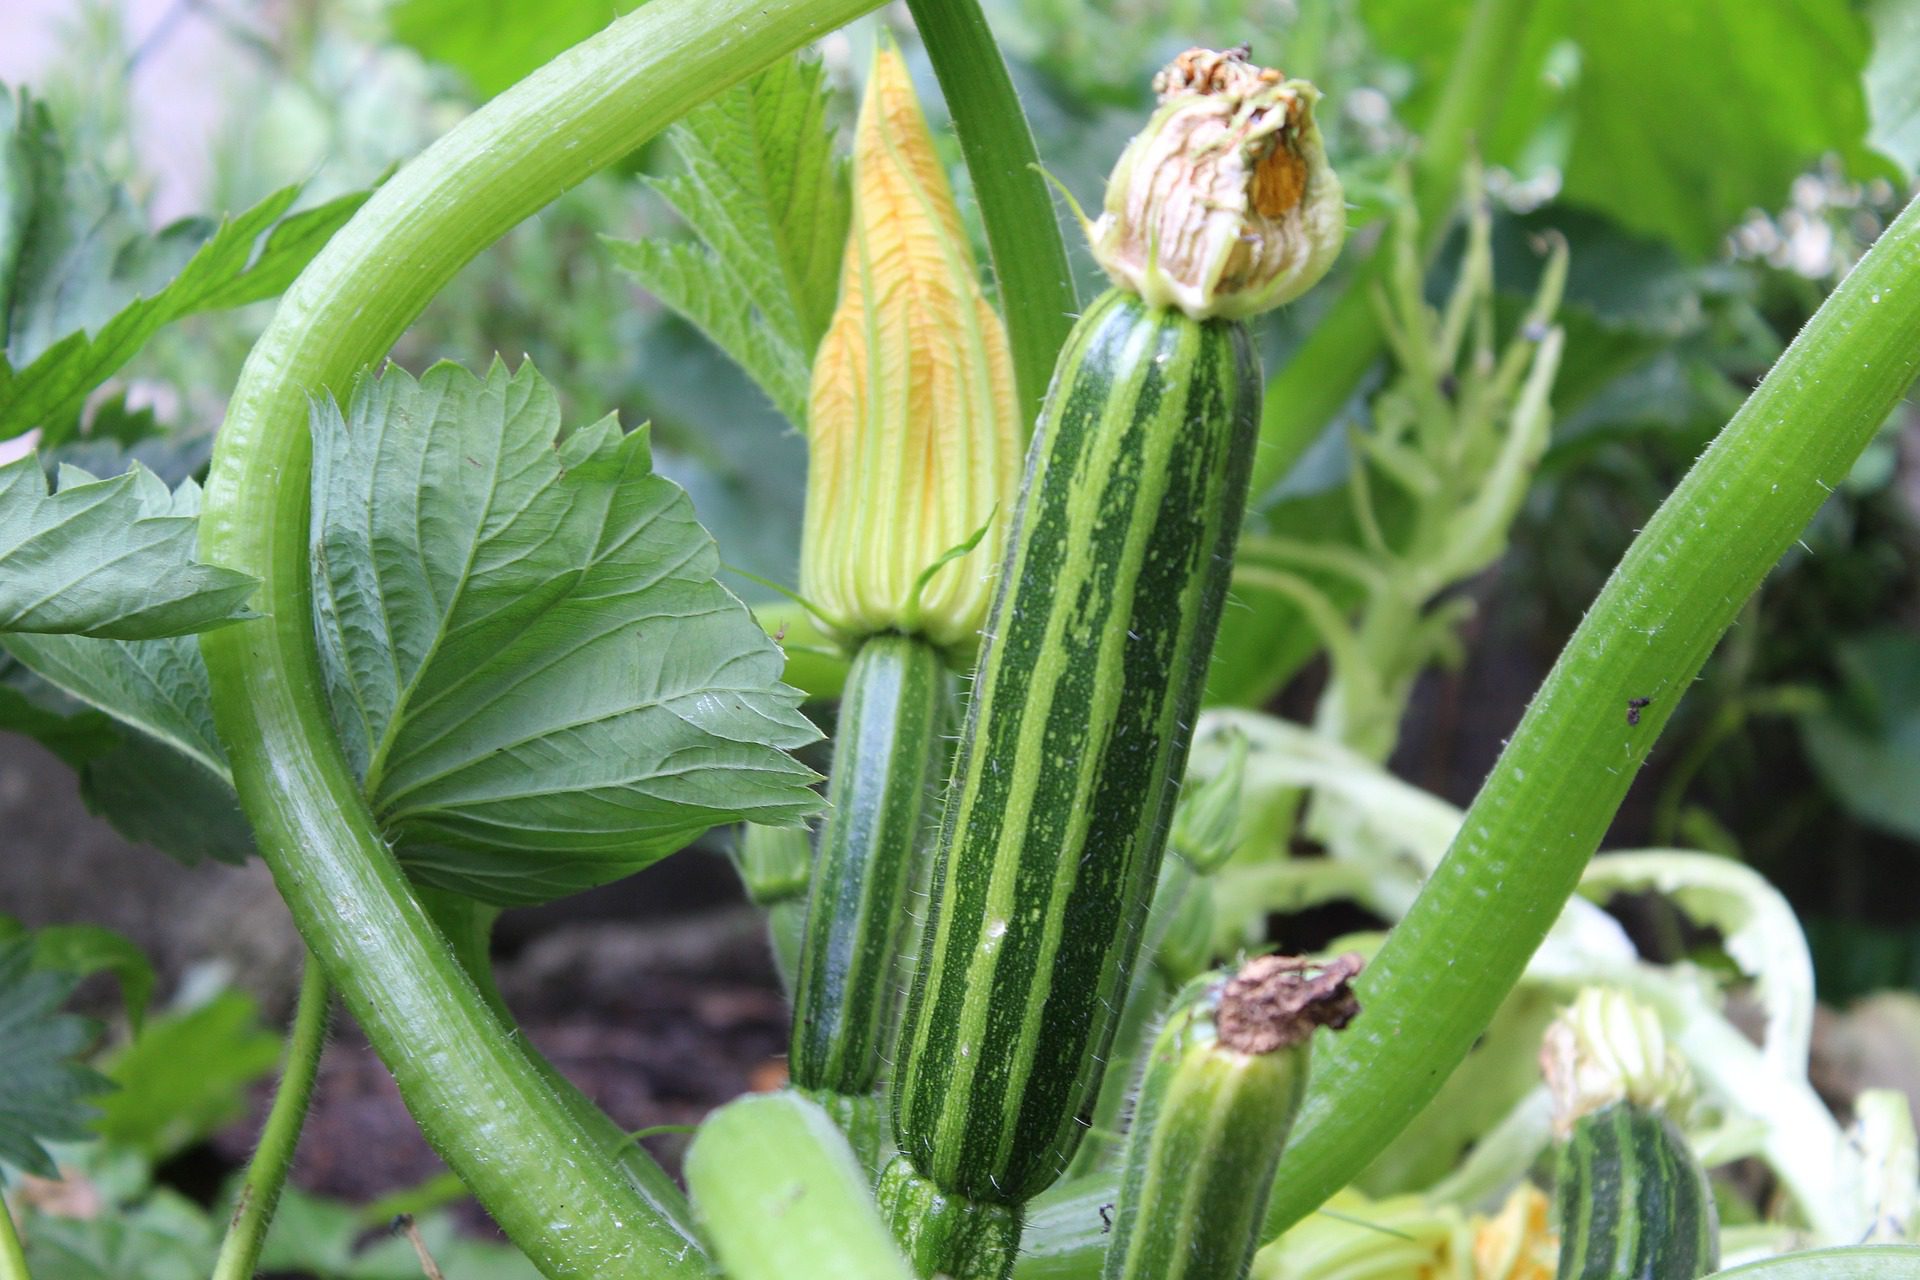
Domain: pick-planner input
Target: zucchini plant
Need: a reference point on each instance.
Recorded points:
(441, 655)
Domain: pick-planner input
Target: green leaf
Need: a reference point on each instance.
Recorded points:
(165, 1237)
(186, 1076)
(1692, 114)
(85, 949)
(1867, 748)
(497, 42)
(529, 659)
(1893, 91)
(1683, 117)
(1861, 1262)
(107, 557)
(315, 1236)
(767, 198)
(41, 1087)
(83, 283)
(158, 773)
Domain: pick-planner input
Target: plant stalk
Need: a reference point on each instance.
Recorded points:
(273, 1158)
(1037, 295)
(468, 927)
(1450, 962)
(479, 1102)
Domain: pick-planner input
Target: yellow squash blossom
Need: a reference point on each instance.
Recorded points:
(913, 443)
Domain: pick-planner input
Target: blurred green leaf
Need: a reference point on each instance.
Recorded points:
(767, 199)
(42, 1088)
(82, 950)
(1893, 90)
(84, 283)
(164, 1237)
(1673, 119)
(1692, 114)
(318, 1237)
(1867, 747)
(528, 657)
(186, 1076)
(112, 558)
(494, 43)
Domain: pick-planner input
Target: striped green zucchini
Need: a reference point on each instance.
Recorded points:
(1633, 1200)
(1083, 702)
(887, 752)
(1222, 1088)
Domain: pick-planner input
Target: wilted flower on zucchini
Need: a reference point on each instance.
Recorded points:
(913, 443)
(1608, 1047)
(1224, 205)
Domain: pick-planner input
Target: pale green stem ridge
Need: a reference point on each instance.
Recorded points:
(478, 1100)
(1450, 962)
(267, 1171)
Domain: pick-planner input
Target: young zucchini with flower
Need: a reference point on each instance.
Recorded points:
(912, 448)
(1090, 674)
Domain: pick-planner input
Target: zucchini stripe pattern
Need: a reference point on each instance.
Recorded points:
(886, 756)
(1634, 1203)
(1076, 738)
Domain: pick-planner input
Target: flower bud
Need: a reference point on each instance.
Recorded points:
(1608, 1047)
(913, 443)
(1208, 816)
(1224, 205)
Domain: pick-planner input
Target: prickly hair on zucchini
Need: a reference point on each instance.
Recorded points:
(1103, 619)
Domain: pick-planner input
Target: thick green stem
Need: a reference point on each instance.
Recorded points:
(1450, 962)
(1029, 257)
(480, 1103)
(784, 1198)
(468, 928)
(267, 1173)
(1303, 397)
(13, 1259)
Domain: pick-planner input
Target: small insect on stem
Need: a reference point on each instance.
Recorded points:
(1106, 1218)
(1634, 707)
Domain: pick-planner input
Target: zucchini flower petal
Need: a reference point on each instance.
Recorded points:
(913, 443)
(1608, 1047)
(1224, 205)
(1517, 1243)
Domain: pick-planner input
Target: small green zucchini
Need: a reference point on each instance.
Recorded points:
(1083, 704)
(1633, 1200)
(887, 752)
(1222, 1087)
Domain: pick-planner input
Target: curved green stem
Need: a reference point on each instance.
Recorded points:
(1023, 234)
(477, 1099)
(468, 928)
(1446, 967)
(13, 1259)
(267, 1172)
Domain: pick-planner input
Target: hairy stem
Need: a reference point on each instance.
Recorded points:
(1450, 962)
(468, 928)
(267, 1172)
(1029, 257)
(478, 1100)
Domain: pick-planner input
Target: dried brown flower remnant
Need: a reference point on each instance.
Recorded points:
(1276, 1001)
(1224, 205)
